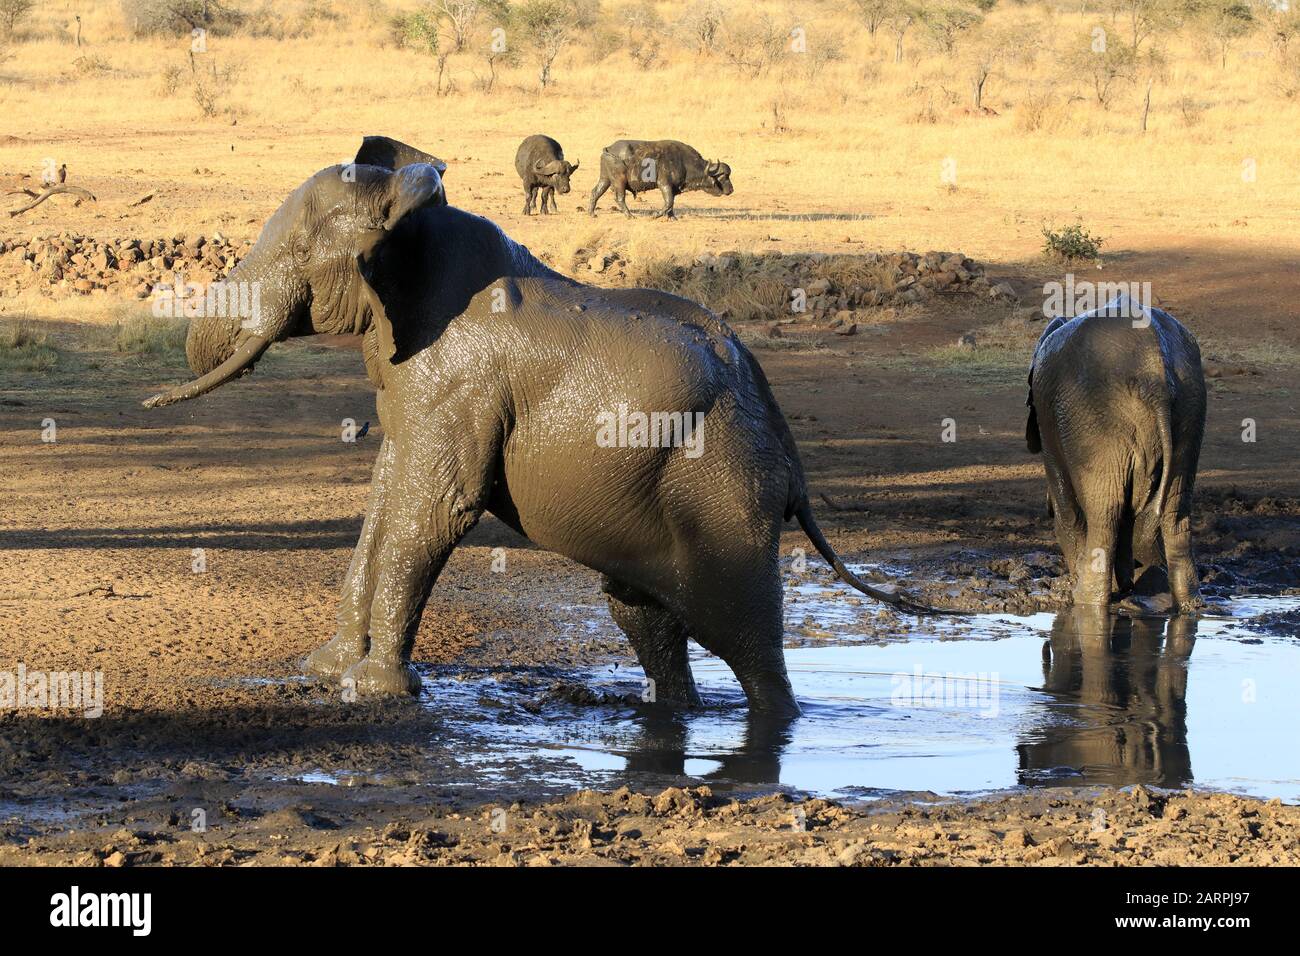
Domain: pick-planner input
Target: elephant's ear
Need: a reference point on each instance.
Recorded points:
(1034, 440)
(392, 154)
(410, 188)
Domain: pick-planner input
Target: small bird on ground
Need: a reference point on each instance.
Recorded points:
(63, 173)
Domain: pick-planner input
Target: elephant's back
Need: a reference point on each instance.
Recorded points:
(649, 411)
(1100, 347)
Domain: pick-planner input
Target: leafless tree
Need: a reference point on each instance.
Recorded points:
(874, 13)
(702, 25)
(12, 13)
(902, 16)
(460, 16)
(991, 50)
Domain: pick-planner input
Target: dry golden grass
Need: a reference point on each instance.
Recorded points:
(854, 161)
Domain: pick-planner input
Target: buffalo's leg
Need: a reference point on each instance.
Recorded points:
(421, 531)
(667, 211)
(530, 193)
(349, 643)
(659, 638)
(620, 198)
(548, 196)
(597, 191)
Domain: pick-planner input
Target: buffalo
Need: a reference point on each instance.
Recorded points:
(541, 165)
(636, 166)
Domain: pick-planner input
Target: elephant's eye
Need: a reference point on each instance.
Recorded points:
(301, 250)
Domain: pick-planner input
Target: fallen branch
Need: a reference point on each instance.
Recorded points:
(51, 191)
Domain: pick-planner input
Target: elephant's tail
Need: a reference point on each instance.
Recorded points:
(898, 598)
(1166, 451)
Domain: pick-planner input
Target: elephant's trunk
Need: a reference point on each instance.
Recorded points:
(238, 319)
(249, 351)
(232, 309)
(210, 341)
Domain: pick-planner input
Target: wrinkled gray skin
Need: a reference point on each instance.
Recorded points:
(636, 166)
(542, 168)
(491, 370)
(1118, 412)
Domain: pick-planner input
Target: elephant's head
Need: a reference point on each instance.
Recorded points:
(718, 179)
(1034, 441)
(305, 274)
(555, 173)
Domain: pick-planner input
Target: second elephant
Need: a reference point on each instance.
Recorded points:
(1117, 409)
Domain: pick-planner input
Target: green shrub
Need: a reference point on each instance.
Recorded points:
(1071, 242)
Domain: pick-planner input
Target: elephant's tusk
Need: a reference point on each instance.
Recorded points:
(249, 351)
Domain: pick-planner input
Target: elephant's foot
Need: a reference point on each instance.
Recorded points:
(1190, 603)
(375, 678)
(332, 659)
(675, 692)
(1145, 604)
(771, 696)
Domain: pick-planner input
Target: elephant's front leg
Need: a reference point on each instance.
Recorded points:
(349, 643)
(421, 529)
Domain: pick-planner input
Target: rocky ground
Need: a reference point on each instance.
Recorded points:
(59, 265)
(694, 827)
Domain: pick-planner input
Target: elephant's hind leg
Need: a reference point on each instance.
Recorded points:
(1176, 532)
(1096, 569)
(735, 613)
(659, 638)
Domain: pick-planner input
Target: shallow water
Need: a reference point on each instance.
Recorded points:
(953, 706)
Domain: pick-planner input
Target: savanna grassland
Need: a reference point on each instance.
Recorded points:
(838, 130)
(1178, 151)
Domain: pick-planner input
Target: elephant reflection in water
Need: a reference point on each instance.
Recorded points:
(660, 747)
(1119, 713)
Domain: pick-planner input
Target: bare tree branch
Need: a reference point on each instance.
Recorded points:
(50, 191)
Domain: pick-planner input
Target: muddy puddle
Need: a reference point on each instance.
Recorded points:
(950, 706)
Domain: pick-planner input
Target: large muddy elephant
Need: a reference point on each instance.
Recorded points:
(1117, 408)
(628, 429)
